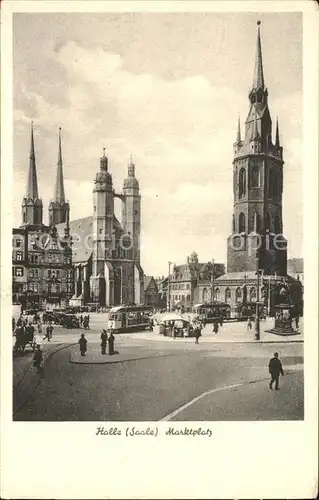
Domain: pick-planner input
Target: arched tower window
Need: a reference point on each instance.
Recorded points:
(271, 184)
(253, 294)
(241, 223)
(217, 294)
(255, 177)
(242, 182)
(204, 295)
(277, 227)
(227, 295)
(268, 221)
(238, 294)
(256, 223)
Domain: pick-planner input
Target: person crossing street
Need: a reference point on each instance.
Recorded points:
(275, 368)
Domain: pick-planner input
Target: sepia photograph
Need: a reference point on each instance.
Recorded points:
(159, 249)
(157, 265)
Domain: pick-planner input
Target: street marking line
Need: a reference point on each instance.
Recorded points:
(173, 414)
(195, 400)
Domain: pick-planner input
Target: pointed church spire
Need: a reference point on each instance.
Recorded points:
(277, 134)
(238, 138)
(32, 186)
(258, 81)
(59, 183)
(131, 168)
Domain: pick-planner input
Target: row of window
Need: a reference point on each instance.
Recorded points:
(180, 297)
(35, 273)
(180, 286)
(272, 223)
(51, 288)
(37, 259)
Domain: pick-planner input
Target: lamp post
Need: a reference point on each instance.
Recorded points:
(212, 294)
(257, 319)
(169, 286)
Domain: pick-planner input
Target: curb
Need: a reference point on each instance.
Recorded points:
(117, 361)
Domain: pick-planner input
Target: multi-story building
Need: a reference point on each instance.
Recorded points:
(151, 295)
(42, 274)
(193, 282)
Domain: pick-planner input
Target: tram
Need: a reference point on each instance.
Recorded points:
(128, 318)
(210, 312)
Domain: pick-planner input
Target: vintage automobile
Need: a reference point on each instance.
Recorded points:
(70, 321)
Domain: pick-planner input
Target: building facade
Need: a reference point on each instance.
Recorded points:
(42, 273)
(151, 295)
(192, 283)
(256, 244)
(106, 253)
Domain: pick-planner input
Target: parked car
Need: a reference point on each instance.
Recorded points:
(70, 321)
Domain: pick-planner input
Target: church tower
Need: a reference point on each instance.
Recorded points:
(101, 281)
(59, 209)
(32, 208)
(257, 187)
(131, 210)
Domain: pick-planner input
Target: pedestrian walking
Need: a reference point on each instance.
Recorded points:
(110, 340)
(88, 321)
(48, 334)
(103, 341)
(38, 358)
(198, 333)
(297, 322)
(40, 328)
(215, 327)
(85, 323)
(221, 321)
(275, 368)
(81, 320)
(13, 324)
(249, 324)
(83, 344)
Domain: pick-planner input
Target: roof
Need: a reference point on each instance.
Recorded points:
(81, 231)
(147, 281)
(295, 266)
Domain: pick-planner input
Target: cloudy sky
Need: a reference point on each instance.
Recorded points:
(166, 88)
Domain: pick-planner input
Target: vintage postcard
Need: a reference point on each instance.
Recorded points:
(159, 249)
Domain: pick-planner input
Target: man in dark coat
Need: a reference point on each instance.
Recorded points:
(38, 358)
(275, 368)
(110, 340)
(83, 344)
(103, 341)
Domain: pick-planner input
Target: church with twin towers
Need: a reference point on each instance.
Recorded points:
(92, 260)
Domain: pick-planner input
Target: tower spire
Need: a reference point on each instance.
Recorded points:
(238, 138)
(255, 128)
(277, 134)
(59, 194)
(32, 186)
(258, 81)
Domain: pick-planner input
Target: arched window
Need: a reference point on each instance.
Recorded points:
(204, 295)
(256, 223)
(253, 294)
(277, 227)
(268, 221)
(238, 294)
(255, 177)
(242, 182)
(227, 295)
(241, 223)
(217, 294)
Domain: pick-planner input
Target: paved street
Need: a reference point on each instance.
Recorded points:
(152, 380)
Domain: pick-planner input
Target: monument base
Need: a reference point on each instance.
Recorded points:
(283, 332)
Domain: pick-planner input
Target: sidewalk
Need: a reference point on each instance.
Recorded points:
(235, 332)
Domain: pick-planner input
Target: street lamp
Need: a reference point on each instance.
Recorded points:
(212, 294)
(257, 319)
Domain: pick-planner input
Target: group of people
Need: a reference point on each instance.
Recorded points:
(106, 339)
(27, 332)
(85, 321)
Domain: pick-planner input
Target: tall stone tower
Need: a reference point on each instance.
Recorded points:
(32, 208)
(257, 187)
(59, 209)
(131, 210)
(103, 214)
